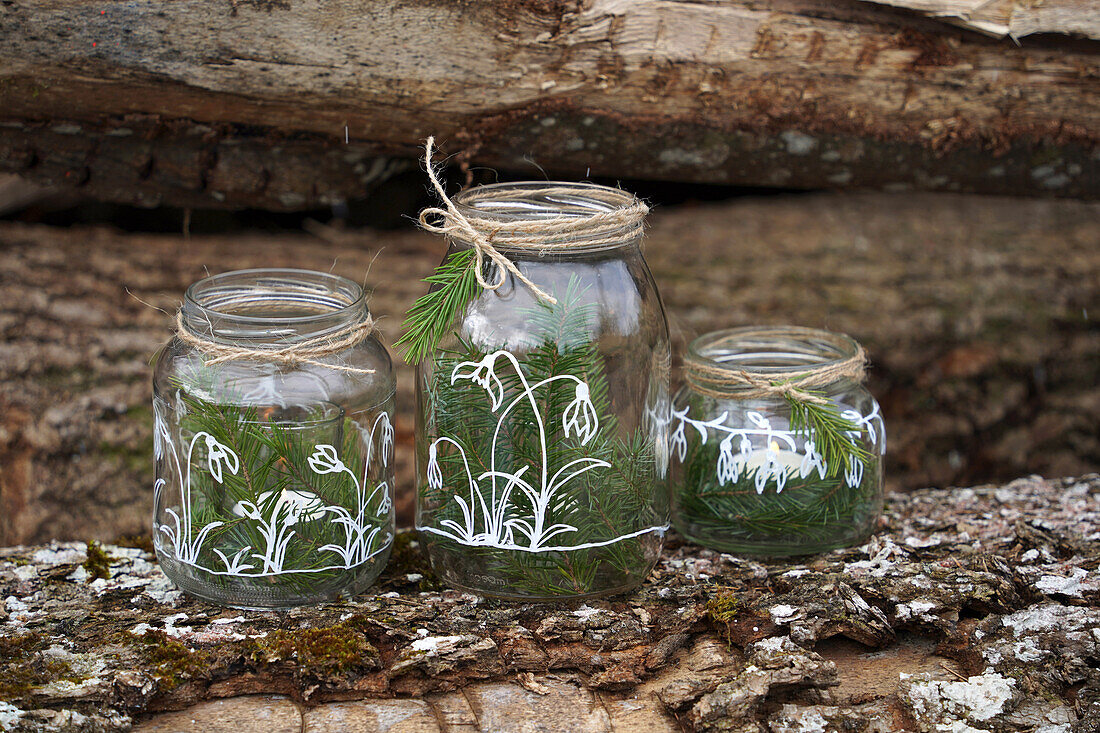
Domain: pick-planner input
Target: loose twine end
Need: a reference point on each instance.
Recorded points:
(455, 223)
(307, 351)
(622, 221)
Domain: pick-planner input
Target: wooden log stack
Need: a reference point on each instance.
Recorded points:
(293, 104)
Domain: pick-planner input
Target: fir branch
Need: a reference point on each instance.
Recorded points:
(829, 431)
(433, 313)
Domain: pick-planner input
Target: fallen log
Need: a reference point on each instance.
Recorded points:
(968, 609)
(291, 105)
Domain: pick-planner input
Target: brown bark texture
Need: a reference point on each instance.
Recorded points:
(291, 104)
(979, 315)
(968, 610)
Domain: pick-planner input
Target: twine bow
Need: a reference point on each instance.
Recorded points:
(307, 351)
(714, 379)
(621, 222)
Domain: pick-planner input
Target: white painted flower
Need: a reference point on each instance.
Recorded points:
(811, 460)
(580, 417)
(435, 475)
(727, 467)
(181, 406)
(482, 373)
(385, 504)
(160, 430)
(325, 460)
(769, 469)
(216, 453)
(679, 442)
(387, 438)
(853, 475)
(299, 506)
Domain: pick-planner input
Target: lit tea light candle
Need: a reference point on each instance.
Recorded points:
(783, 460)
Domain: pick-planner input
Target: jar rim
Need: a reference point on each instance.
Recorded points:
(616, 217)
(773, 350)
(330, 294)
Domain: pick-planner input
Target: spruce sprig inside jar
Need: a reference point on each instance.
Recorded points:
(543, 390)
(776, 445)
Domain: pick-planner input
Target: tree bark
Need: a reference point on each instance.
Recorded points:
(970, 609)
(289, 105)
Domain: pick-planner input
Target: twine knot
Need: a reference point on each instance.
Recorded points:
(306, 351)
(623, 221)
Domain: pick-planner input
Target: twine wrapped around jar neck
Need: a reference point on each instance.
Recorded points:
(722, 381)
(624, 220)
(306, 351)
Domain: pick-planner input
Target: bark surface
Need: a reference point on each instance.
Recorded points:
(979, 315)
(288, 105)
(969, 610)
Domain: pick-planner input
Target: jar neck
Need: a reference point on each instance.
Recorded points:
(744, 363)
(544, 218)
(273, 307)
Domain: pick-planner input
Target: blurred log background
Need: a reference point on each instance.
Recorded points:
(845, 164)
(979, 314)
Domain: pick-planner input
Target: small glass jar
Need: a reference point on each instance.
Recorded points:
(274, 474)
(750, 480)
(541, 433)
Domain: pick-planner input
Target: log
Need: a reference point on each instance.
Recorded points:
(292, 105)
(979, 315)
(970, 609)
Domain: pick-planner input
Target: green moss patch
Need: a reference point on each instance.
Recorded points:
(98, 563)
(23, 666)
(318, 652)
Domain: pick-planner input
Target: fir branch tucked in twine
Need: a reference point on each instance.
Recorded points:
(490, 238)
(306, 351)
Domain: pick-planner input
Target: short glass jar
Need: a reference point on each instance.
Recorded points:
(273, 440)
(541, 433)
(763, 469)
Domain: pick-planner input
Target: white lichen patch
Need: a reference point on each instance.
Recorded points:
(914, 610)
(1078, 582)
(161, 590)
(25, 572)
(784, 614)
(940, 705)
(1049, 618)
(83, 674)
(60, 553)
(586, 612)
(433, 645)
(9, 716)
(13, 604)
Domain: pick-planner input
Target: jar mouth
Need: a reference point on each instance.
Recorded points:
(284, 295)
(511, 214)
(773, 350)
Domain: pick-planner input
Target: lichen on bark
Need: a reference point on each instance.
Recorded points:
(970, 609)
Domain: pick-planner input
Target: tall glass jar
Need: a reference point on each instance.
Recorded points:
(761, 469)
(541, 434)
(273, 440)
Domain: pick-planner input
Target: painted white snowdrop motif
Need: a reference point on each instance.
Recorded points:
(274, 515)
(773, 464)
(489, 516)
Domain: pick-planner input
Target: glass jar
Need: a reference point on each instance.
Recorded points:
(541, 448)
(752, 474)
(273, 440)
